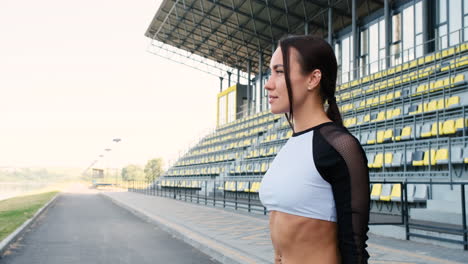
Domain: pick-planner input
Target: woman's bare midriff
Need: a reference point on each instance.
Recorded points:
(302, 240)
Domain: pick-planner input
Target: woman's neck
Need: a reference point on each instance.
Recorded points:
(310, 116)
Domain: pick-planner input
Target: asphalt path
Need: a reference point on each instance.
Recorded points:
(88, 228)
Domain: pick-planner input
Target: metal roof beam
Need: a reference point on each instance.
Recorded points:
(336, 10)
(234, 27)
(247, 15)
(221, 23)
(207, 30)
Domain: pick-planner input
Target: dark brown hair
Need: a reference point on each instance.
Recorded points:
(313, 53)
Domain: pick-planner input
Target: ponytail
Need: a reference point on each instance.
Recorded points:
(333, 112)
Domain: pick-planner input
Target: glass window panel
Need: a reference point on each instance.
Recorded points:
(442, 11)
(345, 59)
(382, 59)
(465, 7)
(465, 35)
(231, 106)
(418, 20)
(374, 47)
(222, 110)
(419, 45)
(396, 28)
(443, 37)
(455, 20)
(382, 33)
(408, 34)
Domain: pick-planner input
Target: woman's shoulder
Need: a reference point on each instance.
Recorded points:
(341, 139)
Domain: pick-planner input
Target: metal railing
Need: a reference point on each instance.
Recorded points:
(218, 194)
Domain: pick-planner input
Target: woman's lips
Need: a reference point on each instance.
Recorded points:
(272, 98)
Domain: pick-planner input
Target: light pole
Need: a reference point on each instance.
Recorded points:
(107, 169)
(116, 140)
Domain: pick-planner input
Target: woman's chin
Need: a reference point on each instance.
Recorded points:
(276, 111)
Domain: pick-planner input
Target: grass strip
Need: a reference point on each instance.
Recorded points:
(15, 211)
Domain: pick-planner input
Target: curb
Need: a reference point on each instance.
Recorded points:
(13, 236)
(215, 249)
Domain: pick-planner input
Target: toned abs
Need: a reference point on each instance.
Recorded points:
(302, 240)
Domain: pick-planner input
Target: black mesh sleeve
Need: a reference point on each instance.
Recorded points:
(341, 160)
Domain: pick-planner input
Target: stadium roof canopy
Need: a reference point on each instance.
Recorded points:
(230, 32)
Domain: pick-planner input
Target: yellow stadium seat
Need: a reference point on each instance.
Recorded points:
(396, 112)
(454, 100)
(421, 89)
(448, 52)
(460, 125)
(406, 132)
(449, 127)
(436, 86)
(441, 103)
(434, 129)
(396, 192)
(378, 161)
(388, 135)
(432, 106)
(389, 114)
(380, 136)
(432, 154)
(382, 99)
(376, 191)
(418, 158)
(442, 155)
(458, 79)
(380, 116)
(366, 118)
(388, 158)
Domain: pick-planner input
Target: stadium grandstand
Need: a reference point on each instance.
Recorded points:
(402, 91)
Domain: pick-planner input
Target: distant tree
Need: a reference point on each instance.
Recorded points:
(132, 172)
(153, 169)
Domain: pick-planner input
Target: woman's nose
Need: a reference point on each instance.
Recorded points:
(269, 84)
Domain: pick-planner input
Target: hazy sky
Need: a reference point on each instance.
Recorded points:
(76, 74)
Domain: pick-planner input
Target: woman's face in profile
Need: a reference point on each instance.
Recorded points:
(276, 84)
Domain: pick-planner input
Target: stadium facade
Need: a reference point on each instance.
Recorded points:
(402, 91)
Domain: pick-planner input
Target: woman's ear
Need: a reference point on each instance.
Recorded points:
(314, 79)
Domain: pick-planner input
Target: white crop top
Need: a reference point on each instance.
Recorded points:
(322, 173)
(293, 184)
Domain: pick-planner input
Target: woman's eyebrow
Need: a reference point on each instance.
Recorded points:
(277, 65)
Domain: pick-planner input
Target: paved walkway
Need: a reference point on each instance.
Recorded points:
(234, 237)
(88, 228)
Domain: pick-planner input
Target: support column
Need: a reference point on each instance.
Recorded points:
(238, 76)
(330, 23)
(429, 14)
(306, 28)
(355, 70)
(388, 31)
(229, 78)
(260, 76)
(249, 87)
(220, 84)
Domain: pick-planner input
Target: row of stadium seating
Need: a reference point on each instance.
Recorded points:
(388, 192)
(410, 66)
(390, 98)
(458, 155)
(379, 192)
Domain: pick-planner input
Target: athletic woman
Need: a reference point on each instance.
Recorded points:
(317, 188)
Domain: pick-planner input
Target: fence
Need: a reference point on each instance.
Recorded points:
(241, 196)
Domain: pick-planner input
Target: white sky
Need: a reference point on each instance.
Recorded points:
(76, 74)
